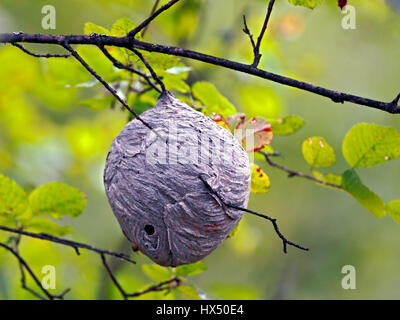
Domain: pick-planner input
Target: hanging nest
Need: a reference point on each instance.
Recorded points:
(155, 182)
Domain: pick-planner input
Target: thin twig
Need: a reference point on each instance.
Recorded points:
(32, 274)
(119, 65)
(151, 70)
(134, 31)
(272, 220)
(37, 55)
(165, 285)
(73, 244)
(156, 3)
(293, 173)
(104, 83)
(125, 42)
(246, 30)
(257, 55)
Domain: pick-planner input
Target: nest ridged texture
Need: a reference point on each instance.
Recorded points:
(154, 187)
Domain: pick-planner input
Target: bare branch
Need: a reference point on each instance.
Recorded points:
(119, 65)
(133, 32)
(104, 83)
(34, 277)
(156, 3)
(257, 55)
(246, 30)
(165, 285)
(153, 74)
(292, 173)
(48, 55)
(73, 244)
(125, 42)
(272, 220)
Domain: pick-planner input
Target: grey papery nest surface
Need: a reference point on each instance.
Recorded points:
(154, 188)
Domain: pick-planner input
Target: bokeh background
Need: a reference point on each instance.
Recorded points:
(46, 135)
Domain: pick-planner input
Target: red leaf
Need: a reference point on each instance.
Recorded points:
(342, 3)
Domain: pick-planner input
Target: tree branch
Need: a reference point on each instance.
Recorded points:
(73, 244)
(256, 46)
(125, 42)
(119, 65)
(156, 3)
(153, 73)
(285, 241)
(292, 173)
(165, 285)
(104, 83)
(25, 265)
(152, 16)
(36, 55)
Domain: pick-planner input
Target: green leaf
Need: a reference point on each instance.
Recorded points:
(189, 291)
(122, 27)
(94, 28)
(351, 183)
(39, 224)
(56, 199)
(329, 177)
(191, 269)
(260, 101)
(260, 182)
(286, 125)
(97, 103)
(306, 3)
(13, 199)
(318, 153)
(367, 145)
(156, 272)
(393, 208)
(172, 82)
(234, 231)
(212, 99)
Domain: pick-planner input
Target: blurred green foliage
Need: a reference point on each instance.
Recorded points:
(56, 124)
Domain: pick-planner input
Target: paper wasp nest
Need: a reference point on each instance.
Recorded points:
(154, 188)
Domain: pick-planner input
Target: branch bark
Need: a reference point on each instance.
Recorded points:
(129, 43)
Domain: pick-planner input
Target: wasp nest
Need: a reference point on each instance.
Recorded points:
(154, 182)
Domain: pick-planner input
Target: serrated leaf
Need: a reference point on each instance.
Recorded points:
(57, 199)
(191, 269)
(287, 125)
(39, 224)
(13, 199)
(94, 28)
(156, 272)
(367, 145)
(351, 183)
(318, 153)
(393, 209)
(260, 182)
(212, 99)
(306, 3)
